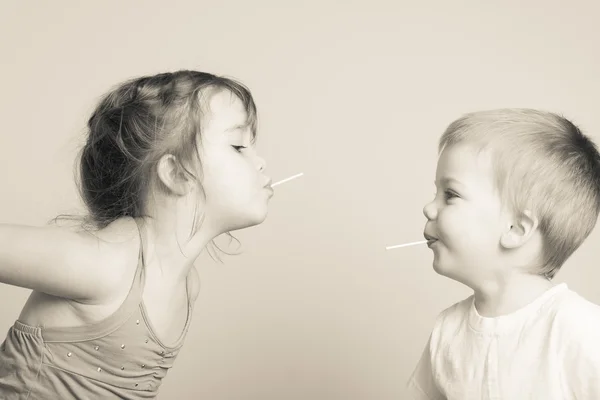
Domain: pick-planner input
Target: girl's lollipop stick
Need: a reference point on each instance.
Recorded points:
(287, 179)
(406, 244)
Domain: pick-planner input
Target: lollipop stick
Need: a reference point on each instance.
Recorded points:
(406, 245)
(287, 179)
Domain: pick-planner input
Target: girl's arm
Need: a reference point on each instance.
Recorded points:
(61, 262)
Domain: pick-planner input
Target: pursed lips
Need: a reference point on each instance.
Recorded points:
(430, 239)
(268, 187)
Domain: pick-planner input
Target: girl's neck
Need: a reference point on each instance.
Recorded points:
(169, 248)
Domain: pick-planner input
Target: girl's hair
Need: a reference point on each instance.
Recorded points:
(133, 126)
(543, 163)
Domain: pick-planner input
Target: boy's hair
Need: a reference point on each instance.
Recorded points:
(542, 163)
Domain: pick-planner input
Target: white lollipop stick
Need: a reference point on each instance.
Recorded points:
(406, 245)
(287, 179)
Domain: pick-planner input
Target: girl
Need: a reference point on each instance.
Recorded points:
(168, 165)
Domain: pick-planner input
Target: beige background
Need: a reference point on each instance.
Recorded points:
(354, 96)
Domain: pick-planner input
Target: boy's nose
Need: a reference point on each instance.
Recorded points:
(430, 211)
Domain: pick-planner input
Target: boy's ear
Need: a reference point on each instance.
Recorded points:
(520, 230)
(171, 174)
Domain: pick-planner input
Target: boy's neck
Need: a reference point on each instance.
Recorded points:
(509, 293)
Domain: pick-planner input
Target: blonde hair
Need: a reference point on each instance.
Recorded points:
(542, 163)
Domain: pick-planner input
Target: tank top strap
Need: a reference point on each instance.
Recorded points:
(134, 297)
(137, 286)
(98, 329)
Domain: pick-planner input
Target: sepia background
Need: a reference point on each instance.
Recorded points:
(354, 94)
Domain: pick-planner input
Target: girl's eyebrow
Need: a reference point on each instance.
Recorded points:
(238, 127)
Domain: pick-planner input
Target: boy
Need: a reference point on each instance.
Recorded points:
(518, 191)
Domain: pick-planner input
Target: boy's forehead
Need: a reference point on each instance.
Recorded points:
(464, 163)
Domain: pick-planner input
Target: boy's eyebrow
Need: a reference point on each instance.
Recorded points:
(448, 181)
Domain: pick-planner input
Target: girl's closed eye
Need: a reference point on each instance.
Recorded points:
(239, 148)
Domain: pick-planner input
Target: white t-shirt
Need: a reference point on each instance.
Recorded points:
(547, 350)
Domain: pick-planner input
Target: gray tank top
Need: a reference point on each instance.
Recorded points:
(119, 357)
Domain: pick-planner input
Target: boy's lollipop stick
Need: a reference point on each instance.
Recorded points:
(406, 244)
(287, 179)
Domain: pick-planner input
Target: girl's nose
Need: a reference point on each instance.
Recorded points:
(261, 163)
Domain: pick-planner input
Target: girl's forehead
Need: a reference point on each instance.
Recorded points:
(225, 110)
(224, 100)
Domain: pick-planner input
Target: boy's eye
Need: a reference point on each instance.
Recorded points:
(239, 148)
(448, 194)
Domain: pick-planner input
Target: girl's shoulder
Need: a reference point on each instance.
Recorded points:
(90, 283)
(123, 238)
(119, 246)
(123, 245)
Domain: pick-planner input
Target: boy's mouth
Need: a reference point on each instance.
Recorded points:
(430, 239)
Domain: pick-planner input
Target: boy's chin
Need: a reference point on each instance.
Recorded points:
(451, 273)
(445, 270)
(439, 269)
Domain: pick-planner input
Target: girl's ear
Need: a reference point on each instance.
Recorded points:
(171, 173)
(520, 230)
